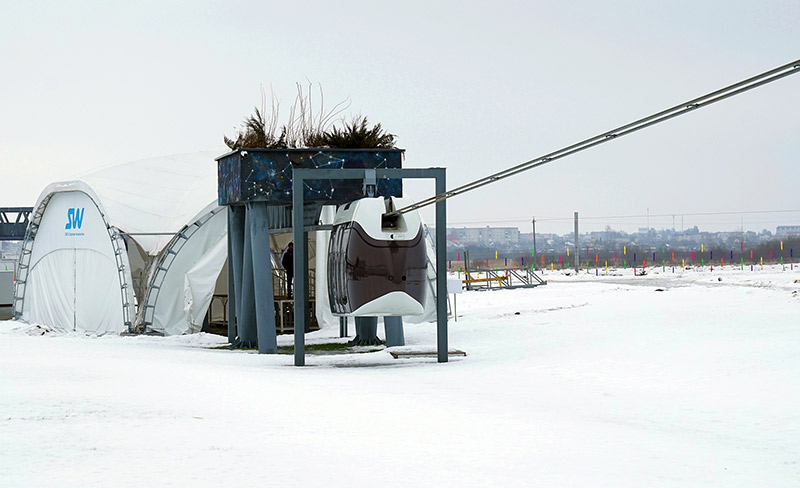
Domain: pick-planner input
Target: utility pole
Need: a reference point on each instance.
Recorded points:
(533, 222)
(577, 253)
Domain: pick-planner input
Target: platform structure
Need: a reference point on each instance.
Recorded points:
(300, 179)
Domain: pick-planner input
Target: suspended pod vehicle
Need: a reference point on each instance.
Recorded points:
(377, 263)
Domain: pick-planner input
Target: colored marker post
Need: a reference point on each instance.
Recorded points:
(711, 256)
(624, 250)
(742, 246)
(673, 256)
(770, 253)
(495, 254)
(654, 257)
(762, 262)
(701, 248)
(742, 264)
(506, 262)
(663, 266)
(731, 254)
(692, 256)
(606, 266)
(683, 264)
(751, 254)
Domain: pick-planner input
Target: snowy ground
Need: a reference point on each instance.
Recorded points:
(588, 381)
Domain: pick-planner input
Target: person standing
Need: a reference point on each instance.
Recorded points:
(287, 261)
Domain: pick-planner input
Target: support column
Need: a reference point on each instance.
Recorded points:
(246, 320)
(306, 290)
(393, 328)
(366, 332)
(441, 271)
(235, 261)
(231, 283)
(300, 285)
(258, 222)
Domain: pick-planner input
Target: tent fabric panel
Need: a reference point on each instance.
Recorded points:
(98, 296)
(200, 283)
(156, 195)
(176, 311)
(50, 291)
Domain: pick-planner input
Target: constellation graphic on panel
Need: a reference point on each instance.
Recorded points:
(267, 175)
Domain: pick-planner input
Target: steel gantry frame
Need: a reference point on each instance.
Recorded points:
(300, 238)
(13, 229)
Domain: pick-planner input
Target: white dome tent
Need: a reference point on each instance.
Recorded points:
(75, 273)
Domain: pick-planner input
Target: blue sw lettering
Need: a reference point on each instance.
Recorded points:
(74, 218)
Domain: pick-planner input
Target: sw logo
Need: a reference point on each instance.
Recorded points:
(74, 218)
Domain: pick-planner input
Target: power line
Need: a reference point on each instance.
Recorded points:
(700, 102)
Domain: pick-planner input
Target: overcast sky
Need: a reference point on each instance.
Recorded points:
(472, 86)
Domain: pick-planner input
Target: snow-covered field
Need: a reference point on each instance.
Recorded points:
(588, 381)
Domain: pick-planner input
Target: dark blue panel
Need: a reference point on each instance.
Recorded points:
(266, 174)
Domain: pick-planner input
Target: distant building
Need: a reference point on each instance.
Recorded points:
(787, 231)
(485, 236)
